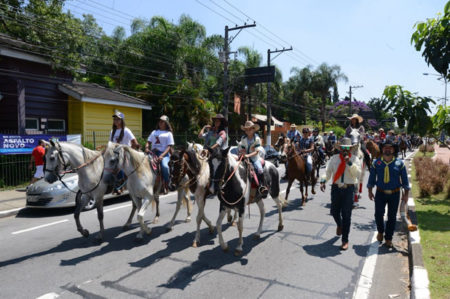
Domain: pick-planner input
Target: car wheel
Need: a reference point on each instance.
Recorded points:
(90, 205)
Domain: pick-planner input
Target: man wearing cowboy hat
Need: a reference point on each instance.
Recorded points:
(318, 140)
(389, 175)
(332, 138)
(293, 133)
(382, 134)
(345, 169)
(215, 136)
(248, 146)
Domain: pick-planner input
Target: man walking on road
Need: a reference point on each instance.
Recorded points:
(388, 174)
(37, 156)
(345, 169)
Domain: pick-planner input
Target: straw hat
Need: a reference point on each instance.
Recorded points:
(381, 129)
(250, 125)
(359, 118)
(293, 126)
(345, 143)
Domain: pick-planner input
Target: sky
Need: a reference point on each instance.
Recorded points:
(369, 40)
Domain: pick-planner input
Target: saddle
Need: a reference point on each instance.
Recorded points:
(252, 173)
(155, 166)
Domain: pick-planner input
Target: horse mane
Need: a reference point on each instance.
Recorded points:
(136, 157)
(90, 154)
(195, 163)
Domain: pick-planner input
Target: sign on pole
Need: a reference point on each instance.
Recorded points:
(259, 75)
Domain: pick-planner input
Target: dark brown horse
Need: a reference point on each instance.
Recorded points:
(296, 170)
(402, 147)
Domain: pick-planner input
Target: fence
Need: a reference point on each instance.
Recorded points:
(14, 170)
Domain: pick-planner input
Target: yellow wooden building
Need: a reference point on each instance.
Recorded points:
(90, 110)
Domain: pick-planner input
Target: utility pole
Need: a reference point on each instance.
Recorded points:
(350, 94)
(226, 52)
(269, 99)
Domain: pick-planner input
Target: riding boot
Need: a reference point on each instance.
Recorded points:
(262, 185)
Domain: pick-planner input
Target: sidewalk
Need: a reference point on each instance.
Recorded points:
(11, 202)
(442, 153)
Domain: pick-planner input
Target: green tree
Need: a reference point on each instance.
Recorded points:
(433, 36)
(409, 110)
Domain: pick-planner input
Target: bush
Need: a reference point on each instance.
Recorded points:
(433, 176)
(338, 131)
(89, 145)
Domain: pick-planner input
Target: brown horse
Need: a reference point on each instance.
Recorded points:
(296, 170)
(402, 147)
(374, 150)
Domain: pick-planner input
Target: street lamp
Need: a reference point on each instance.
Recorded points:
(445, 83)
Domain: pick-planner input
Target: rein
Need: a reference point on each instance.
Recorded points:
(221, 186)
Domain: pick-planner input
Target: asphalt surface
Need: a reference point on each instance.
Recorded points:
(41, 253)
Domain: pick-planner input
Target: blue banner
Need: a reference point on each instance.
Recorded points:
(23, 144)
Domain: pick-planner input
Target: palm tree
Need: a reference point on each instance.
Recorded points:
(325, 77)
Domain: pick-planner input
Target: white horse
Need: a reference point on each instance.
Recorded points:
(88, 165)
(142, 183)
(196, 168)
(355, 137)
(196, 147)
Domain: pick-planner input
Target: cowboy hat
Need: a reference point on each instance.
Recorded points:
(164, 118)
(345, 143)
(359, 118)
(293, 126)
(380, 129)
(222, 119)
(250, 125)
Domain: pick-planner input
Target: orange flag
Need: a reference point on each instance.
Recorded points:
(237, 104)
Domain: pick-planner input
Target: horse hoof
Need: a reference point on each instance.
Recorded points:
(169, 228)
(237, 252)
(99, 239)
(194, 244)
(156, 220)
(256, 237)
(85, 233)
(225, 249)
(229, 219)
(233, 223)
(211, 230)
(188, 220)
(313, 192)
(148, 233)
(303, 203)
(280, 227)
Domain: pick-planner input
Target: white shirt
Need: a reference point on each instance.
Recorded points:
(160, 140)
(127, 136)
(351, 173)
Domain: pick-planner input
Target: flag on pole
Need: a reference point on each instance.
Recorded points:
(237, 104)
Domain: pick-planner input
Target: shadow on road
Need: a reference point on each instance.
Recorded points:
(323, 250)
(213, 259)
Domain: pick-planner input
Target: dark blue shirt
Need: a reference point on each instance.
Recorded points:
(398, 176)
(304, 143)
(293, 134)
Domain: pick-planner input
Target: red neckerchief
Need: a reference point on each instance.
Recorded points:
(341, 168)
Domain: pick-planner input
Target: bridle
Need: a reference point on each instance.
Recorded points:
(116, 169)
(62, 160)
(183, 167)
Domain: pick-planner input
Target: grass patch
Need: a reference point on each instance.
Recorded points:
(433, 215)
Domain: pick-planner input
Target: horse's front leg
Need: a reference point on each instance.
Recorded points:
(188, 204)
(180, 195)
(313, 182)
(127, 224)
(288, 189)
(99, 205)
(302, 182)
(238, 250)
(156, 201)
(81, 202)
(140, 216)
(262, 212)
(222, 213)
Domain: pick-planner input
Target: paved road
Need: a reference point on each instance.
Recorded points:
(302, 261)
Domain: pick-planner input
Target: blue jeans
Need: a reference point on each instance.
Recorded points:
(392, 201)
(341, 208)
(164, 166)
(258, 166)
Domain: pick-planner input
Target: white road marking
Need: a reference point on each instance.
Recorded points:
(9, 211)
(116, 208)
(48, 296)
(362, 290)
(38, 227)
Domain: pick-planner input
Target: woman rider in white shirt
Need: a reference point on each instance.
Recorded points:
(120, 133)
(161, 142)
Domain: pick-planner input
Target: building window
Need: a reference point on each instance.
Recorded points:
(31, 124)
(56, 125)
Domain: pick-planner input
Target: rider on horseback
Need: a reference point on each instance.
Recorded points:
(215, 136)
(293, 133)
(305, 145)
(248, 146)
(318, 140)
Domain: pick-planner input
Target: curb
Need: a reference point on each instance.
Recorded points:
(419, 274)
(11, 212)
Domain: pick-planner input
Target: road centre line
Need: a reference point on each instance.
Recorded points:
(362, 289)
(38, 227)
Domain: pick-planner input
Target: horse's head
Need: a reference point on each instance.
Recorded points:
(176, 169)
(218, 165)
(55, 161)
(280, 142)
(283, 152)
(355, 137)
(113, 161)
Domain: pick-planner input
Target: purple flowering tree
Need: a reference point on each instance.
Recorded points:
(341, 110)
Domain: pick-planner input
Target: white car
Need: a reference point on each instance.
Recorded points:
(45, 195)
